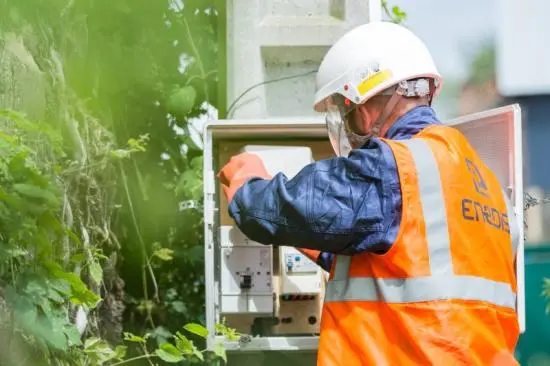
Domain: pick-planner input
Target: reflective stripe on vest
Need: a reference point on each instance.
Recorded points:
(443, 284)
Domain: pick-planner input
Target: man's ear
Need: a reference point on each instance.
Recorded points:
(360, 117)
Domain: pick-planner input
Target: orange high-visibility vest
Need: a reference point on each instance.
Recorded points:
(445, 293)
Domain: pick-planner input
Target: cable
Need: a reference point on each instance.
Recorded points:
(531, 201)
(230, 108)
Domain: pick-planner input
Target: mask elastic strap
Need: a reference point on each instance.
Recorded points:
(383, 117)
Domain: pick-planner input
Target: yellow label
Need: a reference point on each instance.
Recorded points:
(373, 81)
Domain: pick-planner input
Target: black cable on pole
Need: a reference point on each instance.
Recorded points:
(230, 108)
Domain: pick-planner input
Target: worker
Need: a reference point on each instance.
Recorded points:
(416, 231)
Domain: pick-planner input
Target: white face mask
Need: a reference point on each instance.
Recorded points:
(339, 113)
(338, 132)
(341, 135)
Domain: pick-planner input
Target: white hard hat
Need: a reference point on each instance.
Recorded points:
(368, 60)
(371, 58)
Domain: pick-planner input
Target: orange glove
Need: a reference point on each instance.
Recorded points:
(238, 170)
(310, 253)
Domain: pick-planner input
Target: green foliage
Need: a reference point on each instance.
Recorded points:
(37, 292)
(181, 101)
(176, 348)
(90, 191)
(482, 66)
(394, 13)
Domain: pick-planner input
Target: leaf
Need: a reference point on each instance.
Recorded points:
(178, 306)
(164, 254)
(228, 333)
(51, 331)
(195, 254)
(36, 192)
(120, 154)
(169, 353)
(139, 144)
(189, 185)
(100, 350)
(120, 352)
(80, 295)
(184, 344)
(25, 312)
(161, 334)
(78, 258)
(196, 329)
(96, 272)
(396, 11)
(197, 163)
(129, 337)
(181, 102)
(35, 288)
(198, 354)
(54, 296)
(73, 336)
(219, 350)
(91, 342)
(46, 307)
(399, 14)
(60, 285)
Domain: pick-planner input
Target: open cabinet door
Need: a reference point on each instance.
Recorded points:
(496, 135)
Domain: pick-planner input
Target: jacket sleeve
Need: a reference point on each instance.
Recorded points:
(339, 205)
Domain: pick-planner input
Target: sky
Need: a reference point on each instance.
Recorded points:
(451, 29)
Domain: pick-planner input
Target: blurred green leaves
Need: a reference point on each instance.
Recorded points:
(103, 174)
(394, 13)
(181, 101)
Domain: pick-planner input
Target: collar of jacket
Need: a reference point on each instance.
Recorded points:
(412, 122)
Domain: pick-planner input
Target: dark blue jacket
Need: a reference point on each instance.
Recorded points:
(338, 206)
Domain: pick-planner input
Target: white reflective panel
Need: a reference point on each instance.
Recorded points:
(496, 135)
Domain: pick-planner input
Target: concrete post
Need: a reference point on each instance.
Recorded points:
(273, 39)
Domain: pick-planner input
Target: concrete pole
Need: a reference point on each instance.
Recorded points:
(281, 43)
(375, 10)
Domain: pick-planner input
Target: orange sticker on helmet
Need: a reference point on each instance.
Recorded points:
(373, 81)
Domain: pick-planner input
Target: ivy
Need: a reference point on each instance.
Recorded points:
(39, 290)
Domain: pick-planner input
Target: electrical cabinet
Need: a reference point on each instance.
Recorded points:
(264, 289)
(272, 295)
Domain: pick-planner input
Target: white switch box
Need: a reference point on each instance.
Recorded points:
(300, 276)
(246, 273)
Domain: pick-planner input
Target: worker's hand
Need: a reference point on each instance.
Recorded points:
(238, 170)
